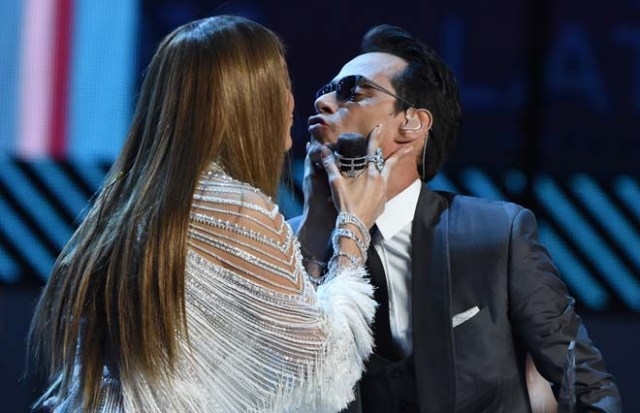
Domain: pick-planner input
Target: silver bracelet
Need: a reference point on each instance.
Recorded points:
(346, 233)
(352, 258)
(349, 218)
(317, 281)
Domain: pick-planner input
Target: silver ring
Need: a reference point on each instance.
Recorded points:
(377, 159)
(351, 167)
(353, 173)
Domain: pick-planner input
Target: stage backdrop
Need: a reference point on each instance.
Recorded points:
(550, 92)
(551, 102)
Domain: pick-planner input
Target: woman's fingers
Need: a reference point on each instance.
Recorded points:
(336, 181)
(329, 163)
(363, 196)
(373, 139)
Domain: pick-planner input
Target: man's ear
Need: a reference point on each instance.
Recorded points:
(417, 122)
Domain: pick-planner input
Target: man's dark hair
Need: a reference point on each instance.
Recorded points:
(426, 82)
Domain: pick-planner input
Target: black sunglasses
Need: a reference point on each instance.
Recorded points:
(345, 88)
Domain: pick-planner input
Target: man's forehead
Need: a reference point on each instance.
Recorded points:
(376, 66)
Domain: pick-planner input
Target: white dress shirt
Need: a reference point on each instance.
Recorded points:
(394, 250)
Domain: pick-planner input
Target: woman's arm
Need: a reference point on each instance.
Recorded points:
(261, 325)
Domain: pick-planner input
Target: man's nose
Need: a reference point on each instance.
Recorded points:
(326, 103)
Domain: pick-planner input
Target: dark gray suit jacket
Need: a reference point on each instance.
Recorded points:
(469, 252)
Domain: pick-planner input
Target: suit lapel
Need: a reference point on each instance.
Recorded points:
(432, 331)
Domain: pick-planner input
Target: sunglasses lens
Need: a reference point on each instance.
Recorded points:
(346, 88)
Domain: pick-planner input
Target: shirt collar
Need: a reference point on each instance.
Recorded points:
(399, 211)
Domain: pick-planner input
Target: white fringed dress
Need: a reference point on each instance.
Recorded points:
(260, 337)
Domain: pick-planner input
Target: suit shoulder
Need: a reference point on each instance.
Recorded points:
(483, 206)
(487, 215)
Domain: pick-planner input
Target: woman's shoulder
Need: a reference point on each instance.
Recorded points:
(216, 186)
(238, 227)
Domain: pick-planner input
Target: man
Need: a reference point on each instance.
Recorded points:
(469, 291)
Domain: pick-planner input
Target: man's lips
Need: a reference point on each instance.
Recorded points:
(316, 120)
(317, 127)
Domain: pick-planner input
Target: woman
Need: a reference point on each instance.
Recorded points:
(183, 289)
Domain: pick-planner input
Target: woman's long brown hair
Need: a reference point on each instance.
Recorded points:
(216, 89)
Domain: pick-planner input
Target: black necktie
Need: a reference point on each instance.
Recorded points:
(385, 346)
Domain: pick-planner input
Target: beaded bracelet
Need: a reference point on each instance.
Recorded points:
(349, 218)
